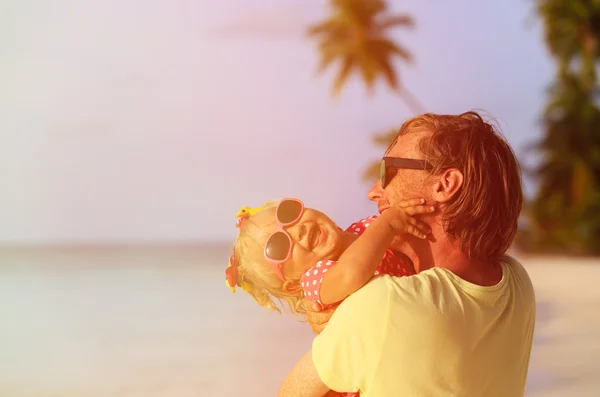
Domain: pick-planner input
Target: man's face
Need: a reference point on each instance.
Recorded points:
(405, 184)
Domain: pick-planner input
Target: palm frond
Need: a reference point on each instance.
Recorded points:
(325, 27)
(404, 21)
(342, 76)
(388, 48)
(356, 34)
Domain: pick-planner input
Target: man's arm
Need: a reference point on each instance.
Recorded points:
(346, 354)
(303, 380)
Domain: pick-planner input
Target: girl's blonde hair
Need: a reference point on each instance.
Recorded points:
(255, 274)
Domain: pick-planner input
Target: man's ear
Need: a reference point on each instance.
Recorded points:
(292, 286)
(448, 183)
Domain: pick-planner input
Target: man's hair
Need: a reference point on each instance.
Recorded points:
(482, 217)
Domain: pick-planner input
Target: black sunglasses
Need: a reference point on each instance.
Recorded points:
(402, 163)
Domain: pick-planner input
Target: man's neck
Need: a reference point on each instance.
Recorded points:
(443, 254)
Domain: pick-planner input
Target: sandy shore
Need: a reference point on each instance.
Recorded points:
(566, 356)
(159, 322)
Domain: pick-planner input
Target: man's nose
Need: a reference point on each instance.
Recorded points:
(376, 191)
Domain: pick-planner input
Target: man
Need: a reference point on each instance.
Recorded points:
(462, 326)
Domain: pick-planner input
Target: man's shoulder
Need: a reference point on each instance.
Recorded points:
(375, 297)
(366, 311)
(382, 286)
(371, 301)
(376, 290)
(520, 276)
(515, 267)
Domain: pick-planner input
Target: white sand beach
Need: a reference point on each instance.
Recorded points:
(159, 322)
(566, 354)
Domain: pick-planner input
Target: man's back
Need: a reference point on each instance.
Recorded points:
(432, 334)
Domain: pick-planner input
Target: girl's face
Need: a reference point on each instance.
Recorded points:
(314, 237)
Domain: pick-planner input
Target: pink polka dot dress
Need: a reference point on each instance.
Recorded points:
(311, 280)
(390, 264)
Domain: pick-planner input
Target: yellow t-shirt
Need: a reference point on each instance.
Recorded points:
(432, 334)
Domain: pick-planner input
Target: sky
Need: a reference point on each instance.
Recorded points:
(129, 121)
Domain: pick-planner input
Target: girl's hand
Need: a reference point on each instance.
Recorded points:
(316, 317)
(403, 217)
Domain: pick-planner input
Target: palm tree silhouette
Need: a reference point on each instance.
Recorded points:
(564, 214)
(357, 37)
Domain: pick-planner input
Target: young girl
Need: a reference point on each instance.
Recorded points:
(287, 252)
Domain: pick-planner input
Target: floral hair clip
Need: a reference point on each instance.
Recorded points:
(232, 278)
(244, 213)
(231, 273)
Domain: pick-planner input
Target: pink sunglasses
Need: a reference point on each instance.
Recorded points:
(278, 248)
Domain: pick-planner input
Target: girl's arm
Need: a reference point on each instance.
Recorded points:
(358, 263)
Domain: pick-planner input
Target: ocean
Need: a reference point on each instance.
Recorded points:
(158, 321)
